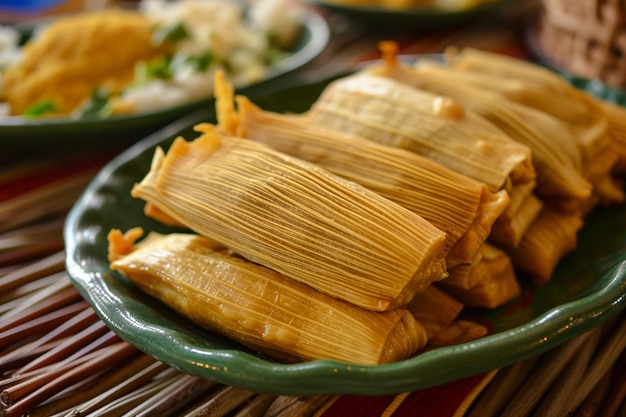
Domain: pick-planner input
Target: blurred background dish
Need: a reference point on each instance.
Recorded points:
(89, 128)
(403, 15)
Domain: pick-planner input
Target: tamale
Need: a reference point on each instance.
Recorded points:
(434, 309)
(394, 114)
(555, 157)
(458, 205)
(296, 218)
(259, 307)
(489, 281)
(548, 239)
(526, 83)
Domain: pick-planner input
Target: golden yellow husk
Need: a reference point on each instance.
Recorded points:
(258, 307)
(489, 281)
(586, 117)
(555, 156)
(548, 239)
(458, 205)
(386, 111)
(434, 309)
(296, 218)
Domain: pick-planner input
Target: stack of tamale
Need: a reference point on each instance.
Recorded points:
(360, 229)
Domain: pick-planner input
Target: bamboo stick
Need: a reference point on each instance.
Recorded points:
(223, 402)
(102, 360)
(41, 268)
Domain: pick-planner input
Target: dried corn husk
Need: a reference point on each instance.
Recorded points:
(463, 208)
(526, 83)
(511, 226)
(296, 218)
(555, 156)
(489, 281)
(257, 306)
(388, 112)
(434, 309)
(617, 132)
(548, 239)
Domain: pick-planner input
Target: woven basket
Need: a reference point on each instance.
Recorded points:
(585, 37)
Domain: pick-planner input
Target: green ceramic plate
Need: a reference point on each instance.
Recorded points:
(417, 18)
(588, 288)
(17, 133)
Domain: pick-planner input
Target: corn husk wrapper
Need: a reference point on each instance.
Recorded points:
(434, 309)
(463, 208)
(390, 113)
(296, 218)
(548, 239)
(489, 281)
(259, 307)
(617, 132)
(555, 156)
(510, 227)
(526, 83)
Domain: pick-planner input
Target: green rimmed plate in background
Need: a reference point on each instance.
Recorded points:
(416, 18)
(19, 133)
(588, 288)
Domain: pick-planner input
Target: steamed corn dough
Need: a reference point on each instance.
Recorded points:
(463, 208)
(257, 306)
(74, 55)
(297, 219)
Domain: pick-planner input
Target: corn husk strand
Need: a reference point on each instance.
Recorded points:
(386, 111)
(548, 239)
(297, 219)
(258, 307)
(489, 281)
(463, 208)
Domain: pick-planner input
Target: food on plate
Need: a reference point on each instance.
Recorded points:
(378, 194)
(391, 113)
(555, 154)
(127, 61)
(257, 306)
(458, 205)
(589, 120)
(296, 218)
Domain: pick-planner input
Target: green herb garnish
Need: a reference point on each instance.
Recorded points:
(40, 109)
(98, 106)
(173, 34)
